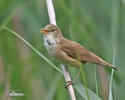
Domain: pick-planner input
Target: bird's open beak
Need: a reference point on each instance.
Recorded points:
(44, 31)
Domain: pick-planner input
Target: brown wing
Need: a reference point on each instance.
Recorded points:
(77, 51)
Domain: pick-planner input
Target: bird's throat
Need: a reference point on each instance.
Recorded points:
(49, 39)
(51, 43)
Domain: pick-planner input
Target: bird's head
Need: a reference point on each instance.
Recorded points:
(51, 29)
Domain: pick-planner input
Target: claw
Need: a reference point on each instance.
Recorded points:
(68, 81)
(68, 84)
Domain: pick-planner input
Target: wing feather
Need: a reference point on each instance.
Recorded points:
(77, 51)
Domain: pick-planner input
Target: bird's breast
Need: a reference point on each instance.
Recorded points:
(51, 49)
(51, 44)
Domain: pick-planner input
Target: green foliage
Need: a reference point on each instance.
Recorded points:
(82, 91)
(96, 24)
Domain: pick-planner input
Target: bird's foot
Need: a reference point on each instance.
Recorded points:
(69, 83)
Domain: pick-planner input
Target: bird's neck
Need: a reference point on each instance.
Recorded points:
(50, 39)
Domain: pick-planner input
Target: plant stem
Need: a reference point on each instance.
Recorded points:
(52, 19)
(96, 85)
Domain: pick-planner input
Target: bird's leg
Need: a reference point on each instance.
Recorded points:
(74, 81)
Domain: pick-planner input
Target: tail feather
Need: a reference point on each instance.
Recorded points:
(104, 63)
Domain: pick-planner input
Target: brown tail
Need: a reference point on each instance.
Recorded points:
(104, 63)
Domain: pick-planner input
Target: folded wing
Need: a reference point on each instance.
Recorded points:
(76, 51)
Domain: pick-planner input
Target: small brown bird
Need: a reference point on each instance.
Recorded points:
(67, 51)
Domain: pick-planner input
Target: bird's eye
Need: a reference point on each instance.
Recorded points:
(53, 30)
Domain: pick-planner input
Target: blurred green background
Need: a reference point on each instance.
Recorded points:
(99, 25)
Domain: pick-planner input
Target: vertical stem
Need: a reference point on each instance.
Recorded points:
(85, 82)
(111, 79)
(67, 78)
(96, 85)
(51, 11)
(52, 19)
